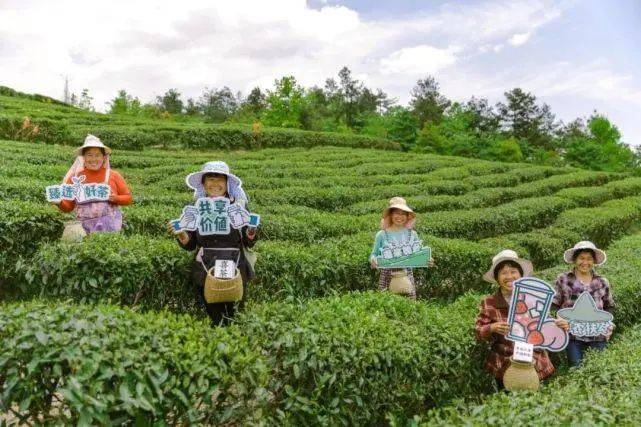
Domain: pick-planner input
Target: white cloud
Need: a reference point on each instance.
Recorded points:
(147, 47)
(420, 60)
(519, 39)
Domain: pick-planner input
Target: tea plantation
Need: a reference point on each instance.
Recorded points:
(106, 331)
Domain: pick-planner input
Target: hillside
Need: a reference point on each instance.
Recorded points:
(106, 331)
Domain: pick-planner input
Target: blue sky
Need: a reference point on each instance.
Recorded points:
(577, 56)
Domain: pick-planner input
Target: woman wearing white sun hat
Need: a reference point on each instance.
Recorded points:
(584, 256)
(396, 227)
(491, 322)
(215, 180)
(92, 166)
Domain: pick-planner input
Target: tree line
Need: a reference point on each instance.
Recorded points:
(518, 128)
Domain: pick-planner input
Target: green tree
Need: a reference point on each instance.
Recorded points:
(402, 126)
(285, 104)
(598, 146)
(217, 105)
(170, 102)
(503, 150)
(255, 102)
(523, 119)
(484, 120)
(192, 109)
(124, 103)
(427, 103)
(451, 136)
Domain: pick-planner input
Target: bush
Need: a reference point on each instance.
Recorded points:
(67, 364)
(350, 359)
(109, 267)
(605, 391)
(23, 227)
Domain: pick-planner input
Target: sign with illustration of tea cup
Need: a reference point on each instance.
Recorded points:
(528, 316)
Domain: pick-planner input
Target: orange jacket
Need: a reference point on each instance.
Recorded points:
(116, 182)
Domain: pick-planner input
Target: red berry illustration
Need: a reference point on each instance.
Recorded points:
(521, 307)
(535, 338)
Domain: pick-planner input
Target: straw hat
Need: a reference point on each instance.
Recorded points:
(234, 184)
(508, 255)
(92, 141)
(398, 203)
(401, 204)
(585, 244)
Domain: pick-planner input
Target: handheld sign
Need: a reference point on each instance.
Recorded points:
(212, 216)
(585, 319)
(528, 316)
(406, 254)
(81, 193)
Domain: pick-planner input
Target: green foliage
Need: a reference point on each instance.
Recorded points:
(23, 227)
(67, 364)
(402, 126)
(350, 359)
(427, 103)
(170, 102)
(285, 104)
(110, 267)
(599, 147)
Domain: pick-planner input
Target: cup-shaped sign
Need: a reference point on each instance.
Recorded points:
(529, 306)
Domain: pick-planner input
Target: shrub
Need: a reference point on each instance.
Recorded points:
(84, 365)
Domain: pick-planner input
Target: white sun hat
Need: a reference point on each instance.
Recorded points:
(585, 244)
(92, 142)
(234, 184)
(508, 255)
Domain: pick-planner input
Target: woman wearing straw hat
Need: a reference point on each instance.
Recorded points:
(92, 166)
(215, 180)
(584, 256)
(396, 228)
(491, 322)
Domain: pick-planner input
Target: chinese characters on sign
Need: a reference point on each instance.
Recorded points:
(212, 215)
(409, 253)
(224, 269)
(78, 191)
(585, 319)
(523, 352)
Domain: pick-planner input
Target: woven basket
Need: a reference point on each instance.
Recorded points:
(400, 283)
(73, 231)
(521, 376)
(223, 290)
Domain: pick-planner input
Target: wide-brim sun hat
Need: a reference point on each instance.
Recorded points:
(398, 203)
(508, 255)
(234, 184)
(92, 141)
(601, 257)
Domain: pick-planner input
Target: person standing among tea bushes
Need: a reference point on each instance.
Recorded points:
(396, 230)
(92, 166)
(216, 181)
(491, 322)
(569, 285)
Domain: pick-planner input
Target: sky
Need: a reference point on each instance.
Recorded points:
(578, 56)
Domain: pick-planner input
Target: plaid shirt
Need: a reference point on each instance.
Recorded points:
(568, 289)
(493, 309)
